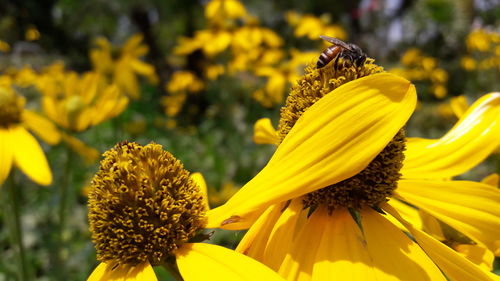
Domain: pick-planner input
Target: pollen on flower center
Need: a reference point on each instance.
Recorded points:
(11, 107)
(142, 205)
(376, 182)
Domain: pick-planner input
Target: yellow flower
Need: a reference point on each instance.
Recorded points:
(212, 72)
(32, 34)
(324, 204)
(224, 9)
(4, 46)
(312, 27)
(17, 146)
(468, 63)
(123, 65)
(79, 102)
(459, 105)
(143, 211)
(478, 40)
(278, 78)
(411, 57)
(184, 81)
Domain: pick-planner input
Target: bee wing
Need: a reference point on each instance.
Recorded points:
(335, 41)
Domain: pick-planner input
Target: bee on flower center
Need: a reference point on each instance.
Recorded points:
(340, 50)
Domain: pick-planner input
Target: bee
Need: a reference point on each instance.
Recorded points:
(340, 49)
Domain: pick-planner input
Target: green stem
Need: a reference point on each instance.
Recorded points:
(15, 226)
(173, 270)
(62, 213)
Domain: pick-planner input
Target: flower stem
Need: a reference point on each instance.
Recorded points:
(62, 212)
(16, 231)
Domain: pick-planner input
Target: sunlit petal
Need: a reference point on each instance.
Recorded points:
(454, 265)
(113, 272)
(264, 132)
(6, 154)
(469, 207)
(327, 144)
(200, 181)
(29, 156)
(469, 142)
(201, 261)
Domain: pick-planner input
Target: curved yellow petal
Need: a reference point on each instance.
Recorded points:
(41, 126)
(200, 181)
(333, 140)
(253, 244)
(201, 261)
(29, 156)
(408, 212)
(264, 132)
(470, 141)
(454, 265)
(470, 207)
(113, 272)
(6, 154)
(333, 245)
(284, 233)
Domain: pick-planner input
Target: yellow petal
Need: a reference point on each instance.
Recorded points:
(264, 132)
(408, 212)
(41, 126)
(333, 140)
(283, 234)
(334, 245)
(200, 181)
(470, 207)
(469, 142)
(6, 154)
(201, 261)
(454, 265)
(298, 263)
(113, 272)
(29, 156)
(253, 244)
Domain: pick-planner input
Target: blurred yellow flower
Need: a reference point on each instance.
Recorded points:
(468, 63)
(310, 26)
(280, 77)
(212, 72)
(4, 46)
(123, 65)
(32, 33)
(411, 57)
(211, 42)
(224, 9)
(459, 105)
(78, 102)
(478, 40)
(17, 146)
(184, 81)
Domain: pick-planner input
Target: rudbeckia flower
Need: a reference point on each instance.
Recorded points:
(78, 102)
(145, 210)
(331, 202)
(17, 146)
